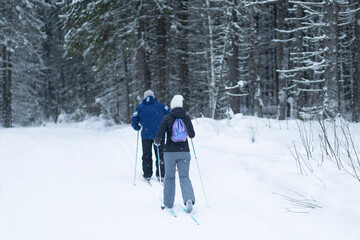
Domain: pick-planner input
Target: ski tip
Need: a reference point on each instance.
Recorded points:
(148, 181)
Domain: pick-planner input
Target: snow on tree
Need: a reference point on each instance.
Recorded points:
(22, 63)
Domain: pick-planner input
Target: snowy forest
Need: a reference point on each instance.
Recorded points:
(277, 59)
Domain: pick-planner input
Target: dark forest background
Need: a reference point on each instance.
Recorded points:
(276, 58)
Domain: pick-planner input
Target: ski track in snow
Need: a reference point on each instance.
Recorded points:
(74, 182)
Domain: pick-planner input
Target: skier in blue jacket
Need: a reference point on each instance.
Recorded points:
(148, 116)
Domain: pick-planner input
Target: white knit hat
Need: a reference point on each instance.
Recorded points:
(148, 93)
(177, 101)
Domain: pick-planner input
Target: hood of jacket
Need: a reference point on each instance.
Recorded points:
(149, 100)
(178, 112)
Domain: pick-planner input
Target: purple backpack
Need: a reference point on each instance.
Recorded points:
(178, 131)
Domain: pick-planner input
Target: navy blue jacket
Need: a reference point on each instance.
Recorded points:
(148, 116)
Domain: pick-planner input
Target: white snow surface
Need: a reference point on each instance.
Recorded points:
(75, 182)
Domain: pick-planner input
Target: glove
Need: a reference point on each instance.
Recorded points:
(157, 144)
(137, 128)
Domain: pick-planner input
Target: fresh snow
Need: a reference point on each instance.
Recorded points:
(75, 182)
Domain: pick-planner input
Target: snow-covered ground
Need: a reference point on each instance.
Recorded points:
(75, 182)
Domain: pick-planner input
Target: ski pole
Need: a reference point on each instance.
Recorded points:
(137, 146)
(159, 165)
(199, 173)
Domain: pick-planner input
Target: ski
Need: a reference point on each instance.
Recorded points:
(171, 211)
(190, 215)
(148, 182)
(160, 180)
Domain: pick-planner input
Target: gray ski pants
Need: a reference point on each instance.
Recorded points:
(181, 160)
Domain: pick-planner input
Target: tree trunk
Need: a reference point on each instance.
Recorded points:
(211, 64)
(141, 56)
(117, 83)
(300, 98)
(255, 64)
(183, 55)
(331, 100)
(161, 56)
(127, 88)
(60, 85)
(233, 62)
(356, 89)
(280, 60)
(7, 96)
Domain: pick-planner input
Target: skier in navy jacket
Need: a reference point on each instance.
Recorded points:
(148, 116)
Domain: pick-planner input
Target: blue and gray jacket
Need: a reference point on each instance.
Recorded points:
(148, 116)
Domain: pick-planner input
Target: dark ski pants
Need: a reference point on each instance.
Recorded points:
(181, 160)
(147, 158)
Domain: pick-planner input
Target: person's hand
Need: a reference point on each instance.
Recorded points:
(137, 128)
(157, 144)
